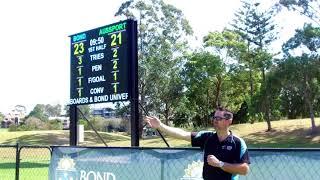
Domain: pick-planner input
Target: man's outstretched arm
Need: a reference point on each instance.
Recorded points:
(155, 123)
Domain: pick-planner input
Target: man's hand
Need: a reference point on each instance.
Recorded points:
(213, 161)
(153, 122)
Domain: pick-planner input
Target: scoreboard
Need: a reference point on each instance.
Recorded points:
(102, 63)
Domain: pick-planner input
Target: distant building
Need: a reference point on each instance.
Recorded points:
(13, 117)
(104, 112)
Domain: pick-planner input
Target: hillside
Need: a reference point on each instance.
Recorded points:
(285, 133)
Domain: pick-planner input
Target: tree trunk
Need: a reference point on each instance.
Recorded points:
(218, 89)
(166, 114)
(267, 104)
(251, 84)
(307, 96)
(142, 103)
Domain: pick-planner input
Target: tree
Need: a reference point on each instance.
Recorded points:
(257, 28)
(1, 116)
(228, 45)
(161, 40)
(53, 110)
(202, 78)
(38, 112)
(308, 8)
(307, 78)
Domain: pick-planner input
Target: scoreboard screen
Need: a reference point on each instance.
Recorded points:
(101, 63)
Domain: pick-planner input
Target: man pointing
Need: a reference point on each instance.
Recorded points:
(225, 154)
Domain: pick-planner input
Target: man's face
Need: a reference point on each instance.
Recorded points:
(219, 121)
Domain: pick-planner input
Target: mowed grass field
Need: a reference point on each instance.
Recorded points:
(285, 134)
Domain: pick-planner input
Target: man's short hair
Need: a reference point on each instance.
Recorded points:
(226, 113)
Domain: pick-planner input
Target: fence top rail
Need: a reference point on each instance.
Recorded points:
(165, 148)
(139, 148)
(193, 148)
(7, 145)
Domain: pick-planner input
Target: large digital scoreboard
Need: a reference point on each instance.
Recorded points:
(102, 63)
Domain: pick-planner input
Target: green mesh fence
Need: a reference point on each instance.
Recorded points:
(282, 164)
(7, 162)
(148, 163)
(182, 164)
(34, 162)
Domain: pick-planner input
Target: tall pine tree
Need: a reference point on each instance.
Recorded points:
(257, 28)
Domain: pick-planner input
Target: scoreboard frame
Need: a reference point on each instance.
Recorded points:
(95, 86)
(102, 64)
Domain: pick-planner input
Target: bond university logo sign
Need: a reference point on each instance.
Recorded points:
(74, 163)
(100, 64)
(66, 170)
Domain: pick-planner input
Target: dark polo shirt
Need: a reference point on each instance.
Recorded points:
(232, 150)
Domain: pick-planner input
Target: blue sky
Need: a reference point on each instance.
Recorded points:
(35, 47)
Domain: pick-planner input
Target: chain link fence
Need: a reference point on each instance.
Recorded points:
(32, 162)
(8, 161)
(284, 164)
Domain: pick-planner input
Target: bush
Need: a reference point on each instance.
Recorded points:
(34, 123)
(85, 124)
(54, 125)
(99, 123)
(30, 124)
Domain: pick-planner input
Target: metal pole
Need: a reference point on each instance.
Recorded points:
(73, 125)
(134, 84)
(17, 161)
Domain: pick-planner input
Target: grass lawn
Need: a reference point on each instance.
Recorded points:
(285, 134)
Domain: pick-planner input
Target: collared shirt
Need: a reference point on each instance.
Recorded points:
(231, 150)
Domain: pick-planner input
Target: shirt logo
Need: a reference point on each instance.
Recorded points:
(227, 147)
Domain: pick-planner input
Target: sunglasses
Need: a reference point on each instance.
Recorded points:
(218, 118)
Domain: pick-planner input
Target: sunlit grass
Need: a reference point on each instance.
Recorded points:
(285, 133)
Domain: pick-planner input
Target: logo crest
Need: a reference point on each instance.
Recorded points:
(193, 171)
(66, 169)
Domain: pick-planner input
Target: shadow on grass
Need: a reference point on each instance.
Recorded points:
(41, 139)
(23, 165)
(284, 138)
(92, 137)
(58, 138)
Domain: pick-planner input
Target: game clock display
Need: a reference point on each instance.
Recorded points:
(101, 63)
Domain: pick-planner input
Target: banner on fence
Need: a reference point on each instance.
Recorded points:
(69, 163)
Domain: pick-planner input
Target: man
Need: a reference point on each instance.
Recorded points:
(225, 155)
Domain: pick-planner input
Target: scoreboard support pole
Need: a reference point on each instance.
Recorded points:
(73, 125)
(134, 85)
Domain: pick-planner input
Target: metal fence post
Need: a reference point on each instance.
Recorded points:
(17, 161)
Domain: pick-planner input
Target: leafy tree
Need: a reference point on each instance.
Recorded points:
(1, 116)
(53, 110)
(85, 109)
(38, 112)
(257, 28)
(308, 8)
(203, 81)
(161, 40)
(307, 78)
(228, 45)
